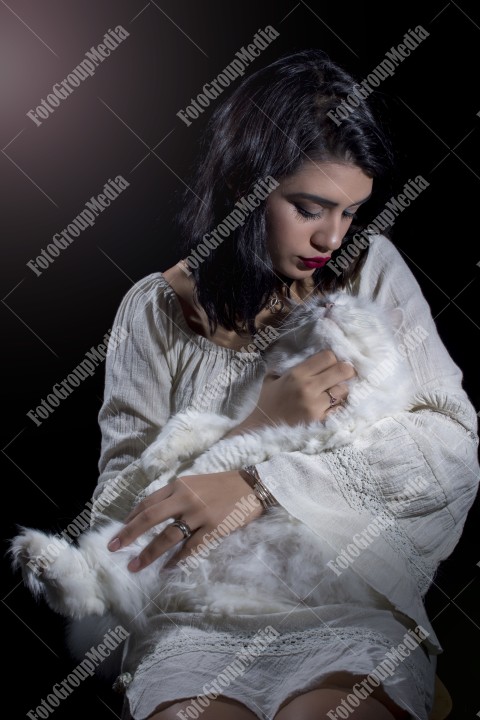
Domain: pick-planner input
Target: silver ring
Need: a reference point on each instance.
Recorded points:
(333, 399)
(183, 527)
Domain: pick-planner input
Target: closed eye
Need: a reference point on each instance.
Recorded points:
(305, 215)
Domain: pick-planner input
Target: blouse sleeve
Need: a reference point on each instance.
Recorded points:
(138, 382)
(421, 465)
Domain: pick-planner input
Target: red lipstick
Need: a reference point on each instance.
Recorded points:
(316, 262)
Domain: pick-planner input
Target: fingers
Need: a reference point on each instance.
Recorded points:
(335, 375)
(168, 538)
(197, 501)
(188, 548)
(147, 518)
(317, 363)
(323, 362)
(322, 392)
(152, 499)
(336, 395)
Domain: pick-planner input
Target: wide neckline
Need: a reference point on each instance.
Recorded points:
(200, 339)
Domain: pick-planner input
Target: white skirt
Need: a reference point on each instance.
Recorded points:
(263, 661)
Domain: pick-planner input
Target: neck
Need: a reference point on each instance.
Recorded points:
(300, 289)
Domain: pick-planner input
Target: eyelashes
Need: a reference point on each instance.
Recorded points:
(305, 215)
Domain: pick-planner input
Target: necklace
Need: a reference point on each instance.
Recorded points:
(273, 302)
(271, 306)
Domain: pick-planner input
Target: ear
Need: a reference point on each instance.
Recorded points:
(397, 318)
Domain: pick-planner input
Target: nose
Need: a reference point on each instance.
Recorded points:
(329, 236)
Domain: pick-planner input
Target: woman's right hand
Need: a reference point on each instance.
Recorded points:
(300, 395)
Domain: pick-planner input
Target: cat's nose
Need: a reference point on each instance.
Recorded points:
(329, 305)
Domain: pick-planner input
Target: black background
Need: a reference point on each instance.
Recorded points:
(108, 127)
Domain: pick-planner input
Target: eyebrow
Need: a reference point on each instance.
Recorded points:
(323, 201)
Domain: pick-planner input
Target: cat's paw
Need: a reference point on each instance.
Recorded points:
(55, 570)
(213, 609)
(33, 551)
(220, 608)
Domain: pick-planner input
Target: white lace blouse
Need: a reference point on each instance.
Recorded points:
(420, 467)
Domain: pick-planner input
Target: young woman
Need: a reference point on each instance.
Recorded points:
(192, 322)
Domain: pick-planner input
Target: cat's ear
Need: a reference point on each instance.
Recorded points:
(397, 319)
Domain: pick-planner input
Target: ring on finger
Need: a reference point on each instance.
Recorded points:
(333, 399)
(186, 530)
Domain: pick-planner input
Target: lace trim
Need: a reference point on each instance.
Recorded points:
(362, 492)
(289, 643)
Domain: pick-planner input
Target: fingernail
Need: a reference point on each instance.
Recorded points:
(134, 564)
(114, 544)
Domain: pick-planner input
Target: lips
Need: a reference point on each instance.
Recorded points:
(315, 262)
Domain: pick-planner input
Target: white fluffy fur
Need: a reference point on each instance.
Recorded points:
(275, 561)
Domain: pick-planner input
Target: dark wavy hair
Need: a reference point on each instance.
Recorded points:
(271, 123)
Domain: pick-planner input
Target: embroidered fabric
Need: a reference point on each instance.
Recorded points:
(361, 492)
(195, 658)
(290, 643)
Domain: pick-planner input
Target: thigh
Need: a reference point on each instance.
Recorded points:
(322, 702)
(222, 708)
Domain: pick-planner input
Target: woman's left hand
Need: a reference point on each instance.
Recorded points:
(200, 501)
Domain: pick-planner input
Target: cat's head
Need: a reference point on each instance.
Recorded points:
(357, 330)
(360, 321)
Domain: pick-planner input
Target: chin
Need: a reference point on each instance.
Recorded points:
(293, 270)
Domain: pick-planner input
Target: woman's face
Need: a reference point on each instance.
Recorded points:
(309, 213)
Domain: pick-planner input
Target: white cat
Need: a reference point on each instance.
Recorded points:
(273, 563)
